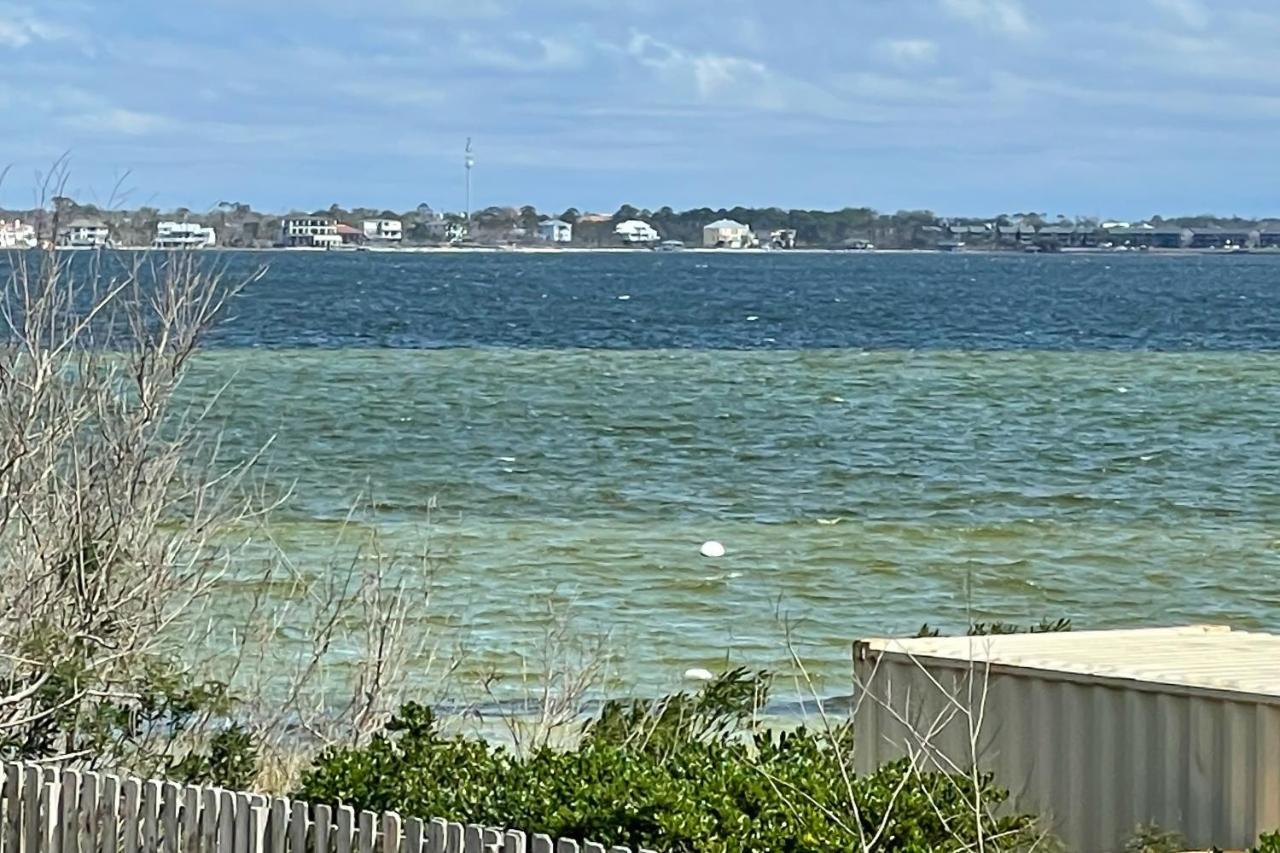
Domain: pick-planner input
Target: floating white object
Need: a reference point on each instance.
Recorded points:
(697, 673)
(711, 548)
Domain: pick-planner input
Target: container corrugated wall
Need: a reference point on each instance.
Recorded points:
(1095, 756)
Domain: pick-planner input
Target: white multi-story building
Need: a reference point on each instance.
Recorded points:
(184, 235)
(556, 231)
(309, 230)
(636, 231)
(15, 234)
(383, 230)
(727, 234)
(84, 234)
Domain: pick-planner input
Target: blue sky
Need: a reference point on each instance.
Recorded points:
(961, 106)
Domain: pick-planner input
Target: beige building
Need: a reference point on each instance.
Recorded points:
(727, 234)
(1097, 731)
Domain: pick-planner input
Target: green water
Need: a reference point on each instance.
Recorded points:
(856, 493)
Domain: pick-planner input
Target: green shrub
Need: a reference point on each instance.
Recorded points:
(686, 773)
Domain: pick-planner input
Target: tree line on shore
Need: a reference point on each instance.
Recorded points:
(240, 225)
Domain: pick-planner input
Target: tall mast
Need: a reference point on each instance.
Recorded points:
(470, 161)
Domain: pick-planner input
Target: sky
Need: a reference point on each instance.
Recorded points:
(964, 107)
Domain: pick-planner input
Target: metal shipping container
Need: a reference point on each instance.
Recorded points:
(1099, 731)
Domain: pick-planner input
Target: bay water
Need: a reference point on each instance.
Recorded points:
(879, 441)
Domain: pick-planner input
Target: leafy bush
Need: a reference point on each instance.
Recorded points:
(1149, 838)
(689, 772)
(1268, 843)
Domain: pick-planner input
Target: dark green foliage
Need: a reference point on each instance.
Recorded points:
(689, 772)
(231, 761)
(1152, 839)
(1268, 843)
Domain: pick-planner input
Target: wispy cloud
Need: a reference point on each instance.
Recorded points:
(908, 52)
(1189, 12)
(1005, 17)
(20, 27)
(520, 52)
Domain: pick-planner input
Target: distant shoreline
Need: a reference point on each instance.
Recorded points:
(569, 250)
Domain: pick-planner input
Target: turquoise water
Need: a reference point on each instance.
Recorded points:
(858, 492)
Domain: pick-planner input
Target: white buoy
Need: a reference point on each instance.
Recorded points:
(711, 548)
(697, 673)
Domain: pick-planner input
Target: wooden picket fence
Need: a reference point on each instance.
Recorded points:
(43, 810)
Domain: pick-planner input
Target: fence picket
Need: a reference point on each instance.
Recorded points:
(541, 844)
(368, 829)
(170, 799)
(390, 832)
(323, 825)
(31, 810)
(226, 822)
(515, 841)
(566, 845)
(437, 835)
(108, 813)
(346, 821)
(68, 813)
(129, 816)
(191, 819)
(89, 819)
(50, 793)
(244, 818)
(13, 808)
(492, 840)
(278, 825)
(472, 839)
(455, 838)
(592, 847)
(619, 850)
(260, 818)
(298, 821)
(209, 820)
(151, 793)
(414, 836)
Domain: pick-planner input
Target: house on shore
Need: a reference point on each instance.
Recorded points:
(84, 234)
(16, 234)
(727, 234)
(184, 235)
(1066, 235)
(636, 231)
(1269, 235)
(1215, 237)
(383, 230)
(783, 238)
(1146, 236)
(555, 231)
(349, 235)
(309, 230)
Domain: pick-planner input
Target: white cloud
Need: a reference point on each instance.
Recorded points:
(1189, 12)
(20, 27)
(906, 53)
(1005, 17)
(119, 121)
(521, 52)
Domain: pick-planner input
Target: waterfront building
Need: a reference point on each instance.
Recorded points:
(348, 234)
(783, 238)
(184, 235)
(84, 234)
(1214, 237)
(309, 230)
(636, 231)
(383, 230)
(555, 231)
(16, 234)
(727, 234)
